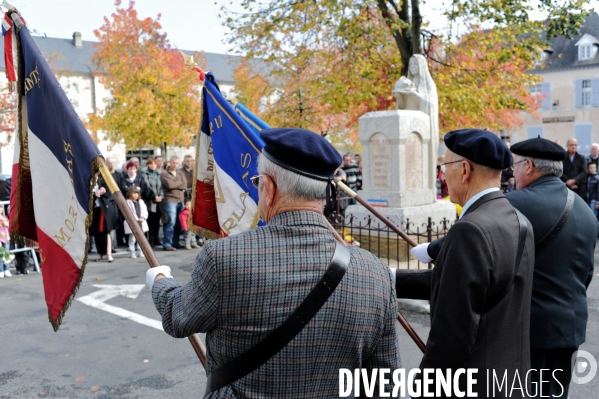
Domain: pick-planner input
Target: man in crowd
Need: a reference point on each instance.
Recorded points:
(173, 185)
(481, 285)
(159, 164)
(352, 172)
(563, 265)
(594, 157)
(575, 169)
(187, 170)
(245, 286)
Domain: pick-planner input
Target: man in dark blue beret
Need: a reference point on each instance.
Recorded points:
(564, 260)
(248, 291)
(480, 288)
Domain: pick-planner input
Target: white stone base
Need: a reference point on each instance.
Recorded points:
(417, 215)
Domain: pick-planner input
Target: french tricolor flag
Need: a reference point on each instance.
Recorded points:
(10, 48)
(53, 179)
(225, 201)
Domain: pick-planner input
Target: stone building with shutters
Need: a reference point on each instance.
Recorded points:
(570, 107)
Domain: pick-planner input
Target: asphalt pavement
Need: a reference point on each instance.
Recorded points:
(109, 345)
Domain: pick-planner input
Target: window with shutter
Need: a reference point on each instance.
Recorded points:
(584, 134)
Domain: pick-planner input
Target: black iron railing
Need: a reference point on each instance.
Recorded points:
(371, 234)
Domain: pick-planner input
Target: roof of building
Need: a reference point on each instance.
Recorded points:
(63, 55)
(563, 52)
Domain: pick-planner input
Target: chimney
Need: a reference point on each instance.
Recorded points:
(77, 40)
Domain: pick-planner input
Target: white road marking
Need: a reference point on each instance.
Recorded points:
(107, 292)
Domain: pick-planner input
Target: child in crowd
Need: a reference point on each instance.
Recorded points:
(4, 240)
(593, 188)
(140, 211)
(511, 185)
(190, 238)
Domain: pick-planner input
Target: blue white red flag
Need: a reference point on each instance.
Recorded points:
(10, 48)
(225, 201)
(57, 159)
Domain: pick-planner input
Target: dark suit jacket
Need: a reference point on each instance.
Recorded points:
(477, 260)
(563, 271)
(576, 170)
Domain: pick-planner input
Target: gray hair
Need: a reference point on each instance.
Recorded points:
(546, 167)
(174, 157)
(292, 184)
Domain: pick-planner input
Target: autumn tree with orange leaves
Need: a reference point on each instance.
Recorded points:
(345, 56)
(153, 98)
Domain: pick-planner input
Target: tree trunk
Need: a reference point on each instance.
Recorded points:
(416, 23)
(404, 36)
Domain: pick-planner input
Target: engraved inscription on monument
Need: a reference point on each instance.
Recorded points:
(413, 166)
(380, 159)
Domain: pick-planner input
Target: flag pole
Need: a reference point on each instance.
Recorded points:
(402, 320)
(196, 342)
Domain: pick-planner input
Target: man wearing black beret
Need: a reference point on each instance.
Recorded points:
(248, 291)
(481, 284)
(564, 261)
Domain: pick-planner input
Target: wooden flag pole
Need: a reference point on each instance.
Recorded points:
(402, 320)
(196, 342)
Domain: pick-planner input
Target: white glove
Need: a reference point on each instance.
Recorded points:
(421, 252)
(393, 274)
(153, 272)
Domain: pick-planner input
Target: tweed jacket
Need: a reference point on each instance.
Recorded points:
(476, 261)
(244, 286)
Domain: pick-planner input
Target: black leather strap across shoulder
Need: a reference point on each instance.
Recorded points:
(559, 224)
(280, 337)
(494, 299)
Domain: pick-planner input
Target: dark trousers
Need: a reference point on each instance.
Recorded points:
(552, 359)
(154, 227)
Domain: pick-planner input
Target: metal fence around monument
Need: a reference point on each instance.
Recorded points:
(371, 234)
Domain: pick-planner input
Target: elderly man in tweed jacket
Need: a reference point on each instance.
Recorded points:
(245, 286)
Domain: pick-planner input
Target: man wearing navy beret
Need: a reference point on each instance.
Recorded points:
(247, 289)
(565, 232)
(480, 287)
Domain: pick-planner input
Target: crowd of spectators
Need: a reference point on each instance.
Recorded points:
(156, 195)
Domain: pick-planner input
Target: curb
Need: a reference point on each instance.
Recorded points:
(414, 305)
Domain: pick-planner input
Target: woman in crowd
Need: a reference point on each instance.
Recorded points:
(131, 179)
(105, 219)
(152, 195)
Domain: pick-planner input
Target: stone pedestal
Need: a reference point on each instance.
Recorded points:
(395, 158)
(398, 167)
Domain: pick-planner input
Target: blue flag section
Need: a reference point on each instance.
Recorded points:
(59, 153)
(255, 123)
(225, 201)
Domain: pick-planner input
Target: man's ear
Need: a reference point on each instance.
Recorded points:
(270, 189)
(466, 170)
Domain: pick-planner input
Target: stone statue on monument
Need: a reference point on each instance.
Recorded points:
(418, 92)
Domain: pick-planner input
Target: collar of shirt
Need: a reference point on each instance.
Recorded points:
(174, 173)
(572, 157)
(475, 198)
